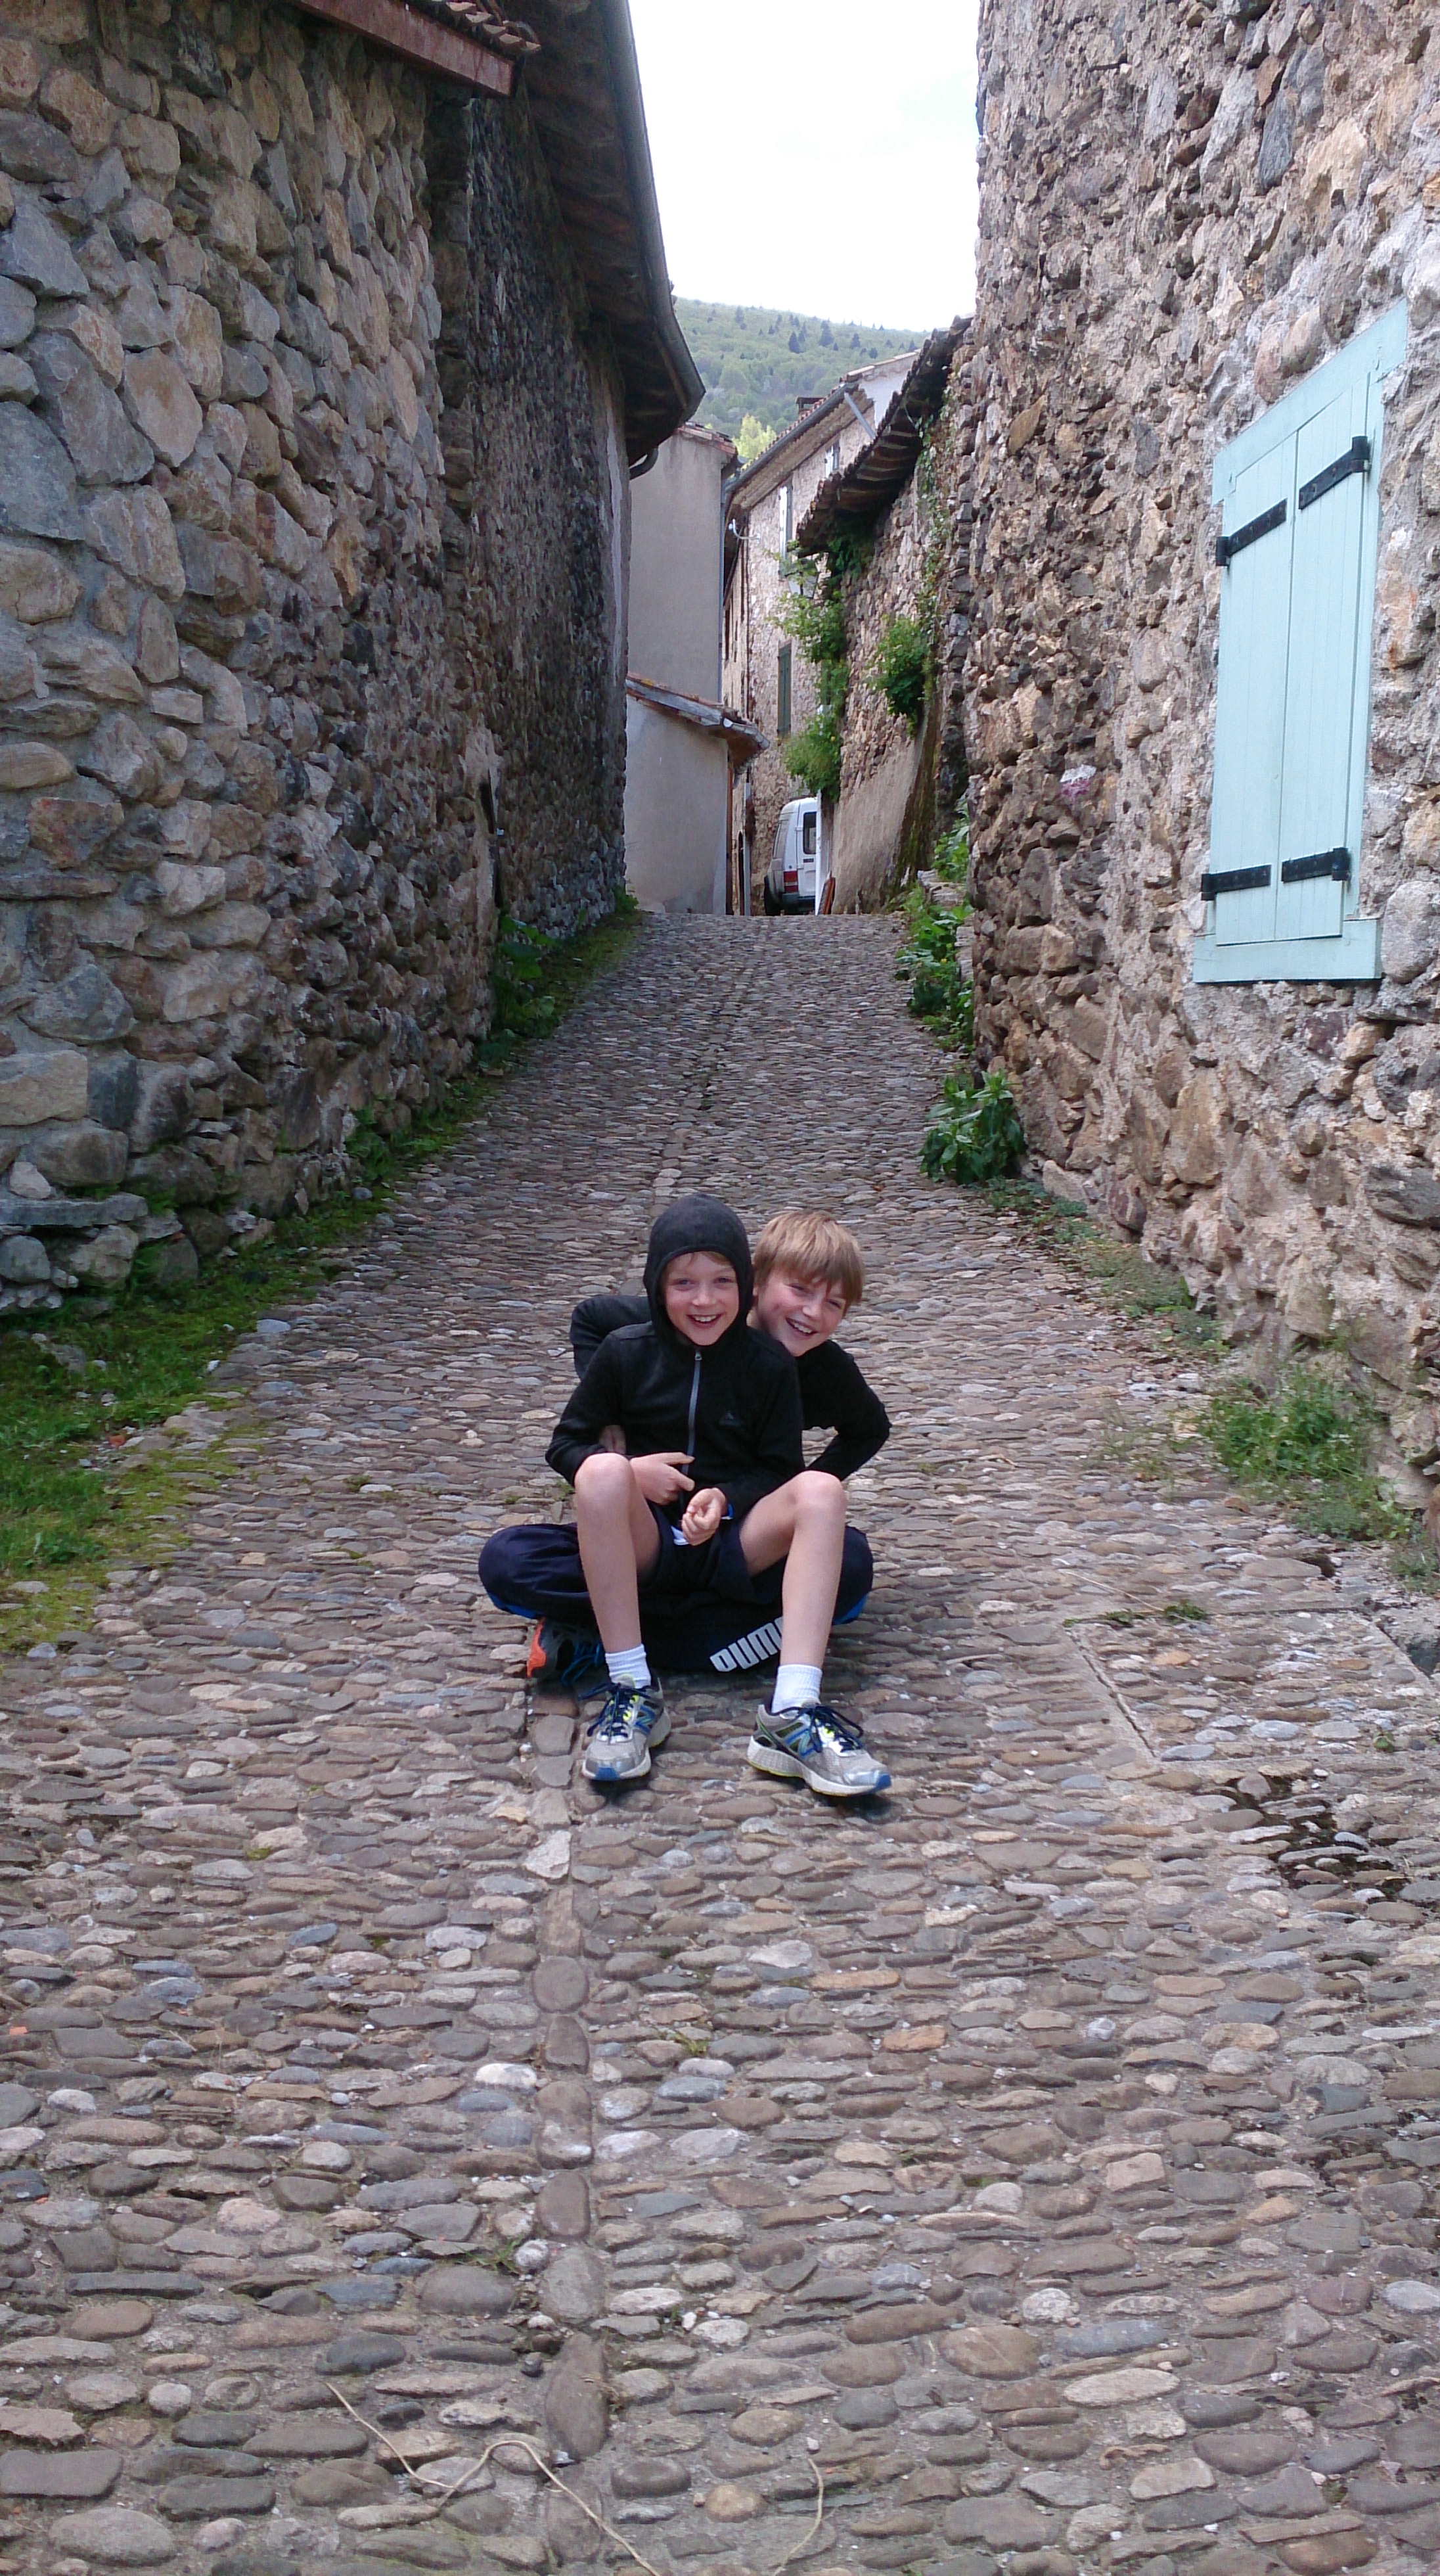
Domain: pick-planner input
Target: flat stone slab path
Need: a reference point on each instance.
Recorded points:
(410, 2158)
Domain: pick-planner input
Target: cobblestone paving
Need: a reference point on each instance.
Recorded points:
(1036, 2170)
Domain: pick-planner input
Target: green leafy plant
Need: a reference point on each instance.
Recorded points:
(814, 613)
(952, 851)
(940, 990)
(974, 1135)
(1307, 1445)
(812, 755)
(523, 1007)
(1180, 1612)
(901, 668)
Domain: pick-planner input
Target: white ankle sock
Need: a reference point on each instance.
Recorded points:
(631, 1665)
(796, 1686)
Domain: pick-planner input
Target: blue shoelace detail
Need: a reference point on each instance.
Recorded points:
(818, 1722)
(621, 1712)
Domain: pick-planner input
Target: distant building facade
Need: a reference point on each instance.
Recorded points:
(891, 771)
(765, 674)
(680, 741)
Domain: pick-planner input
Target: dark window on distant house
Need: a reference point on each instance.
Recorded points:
(789, 512)
(832, 461)
(782, 691)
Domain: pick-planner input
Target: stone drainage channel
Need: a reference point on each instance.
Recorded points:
(410, 2159)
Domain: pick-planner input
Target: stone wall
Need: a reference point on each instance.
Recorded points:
(1183, 209)
(769, 783)
(312, 535)
(880, 754)
(754, 636)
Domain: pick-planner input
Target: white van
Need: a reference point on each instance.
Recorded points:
(795, 879)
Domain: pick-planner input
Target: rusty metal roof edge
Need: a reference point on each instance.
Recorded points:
(867, 485)
(709, 714)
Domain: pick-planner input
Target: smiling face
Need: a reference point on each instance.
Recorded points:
(702, 1296)
(798, 1313)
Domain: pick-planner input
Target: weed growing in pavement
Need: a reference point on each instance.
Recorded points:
(1307, 1445)
(1305, 1448)
(75, 1395)
(940, 989)
(974, 1132)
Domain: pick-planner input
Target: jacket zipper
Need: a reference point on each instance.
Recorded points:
(694, 1408)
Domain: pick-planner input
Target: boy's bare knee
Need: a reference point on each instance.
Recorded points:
(604, 1476)
(820, 1495)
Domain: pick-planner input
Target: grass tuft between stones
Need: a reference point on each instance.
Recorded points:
(79, 1387)
(1306, 1445)
(1309, 1445)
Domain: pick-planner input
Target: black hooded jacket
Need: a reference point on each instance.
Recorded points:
(733, 1409)
(834, 1395)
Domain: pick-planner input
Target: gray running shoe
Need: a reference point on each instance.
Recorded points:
(617, 1746)
(820, 1747)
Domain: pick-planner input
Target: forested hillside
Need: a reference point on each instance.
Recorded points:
(755, 361)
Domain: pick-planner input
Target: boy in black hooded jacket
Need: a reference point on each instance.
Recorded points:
(696, 1388)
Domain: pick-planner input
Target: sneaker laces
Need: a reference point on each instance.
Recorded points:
(620, 1713)
(819, 1722)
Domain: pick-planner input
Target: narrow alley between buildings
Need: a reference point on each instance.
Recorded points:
(415, 2159)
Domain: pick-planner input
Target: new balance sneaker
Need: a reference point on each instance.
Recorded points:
(820, 1747)
(562, 1658)
(618, 1744)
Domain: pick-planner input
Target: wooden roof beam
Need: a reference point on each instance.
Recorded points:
(420, 39)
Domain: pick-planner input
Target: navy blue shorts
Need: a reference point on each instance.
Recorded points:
(701, 1609)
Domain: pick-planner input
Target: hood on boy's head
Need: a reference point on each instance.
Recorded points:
(697, 1224)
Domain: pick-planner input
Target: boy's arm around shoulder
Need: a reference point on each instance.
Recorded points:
(596, 1316)
(597, 1400)
(775, 1423)
(838, 1397)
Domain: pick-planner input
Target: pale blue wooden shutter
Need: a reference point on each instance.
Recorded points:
(1250, 696)
(1299, 492)
(1328, 675)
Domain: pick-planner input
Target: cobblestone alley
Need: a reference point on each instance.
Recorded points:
(1037, 2169)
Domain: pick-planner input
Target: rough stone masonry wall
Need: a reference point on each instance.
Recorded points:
(1184, 209)
(311, 545)
(905, 789)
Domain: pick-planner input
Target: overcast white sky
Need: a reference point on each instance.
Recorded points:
(818, 155)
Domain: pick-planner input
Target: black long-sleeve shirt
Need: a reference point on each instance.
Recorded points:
(834, 1396)
(733, 1409)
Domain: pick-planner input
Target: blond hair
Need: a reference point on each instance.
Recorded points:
(808, 1244)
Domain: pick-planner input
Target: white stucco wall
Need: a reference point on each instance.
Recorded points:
(675, 541)
(675, 812)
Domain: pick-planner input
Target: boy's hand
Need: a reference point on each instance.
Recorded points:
(703, 1515)
(660, 1476)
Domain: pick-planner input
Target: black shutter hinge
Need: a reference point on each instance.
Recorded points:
(1226, 547)
(1356, 460)
(1232, 881)
(1334, 864)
